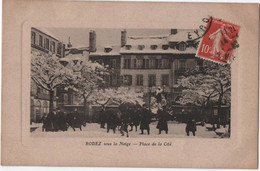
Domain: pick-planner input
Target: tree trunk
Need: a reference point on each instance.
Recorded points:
(51, 92)
(85, 107)
(219, 110)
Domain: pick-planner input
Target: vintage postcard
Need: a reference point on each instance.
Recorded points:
(173, 87)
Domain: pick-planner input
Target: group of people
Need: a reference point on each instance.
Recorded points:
(126, 116)
(56, 120)
(132, 116)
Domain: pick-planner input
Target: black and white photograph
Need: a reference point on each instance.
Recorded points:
(132, 83)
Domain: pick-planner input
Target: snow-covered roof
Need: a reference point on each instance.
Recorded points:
(78, 48)
(147, 40)
(159, 50)
(154, 44)
(114, 51)
(71, 57)
(45, 31)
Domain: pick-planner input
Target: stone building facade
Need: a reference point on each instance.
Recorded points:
(45, 43)
(149, 62)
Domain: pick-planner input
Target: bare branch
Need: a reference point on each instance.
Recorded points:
(40, 84)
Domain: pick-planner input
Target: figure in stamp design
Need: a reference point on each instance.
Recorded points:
(219, 42)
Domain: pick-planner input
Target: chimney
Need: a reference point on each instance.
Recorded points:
(174, 31)
(123, 38)
(92, 41)
(69, 43)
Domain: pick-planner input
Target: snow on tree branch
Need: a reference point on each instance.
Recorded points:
(201, 87)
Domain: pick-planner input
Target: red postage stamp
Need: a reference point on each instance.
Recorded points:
(219, 42)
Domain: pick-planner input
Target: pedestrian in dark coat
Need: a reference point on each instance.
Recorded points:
(111, 121)
(75, 120)
(145, 121)
(125, 121)
(190, 126)
(102, 118)
(62, 123)
(49, 123)
(162, 123)
(135, 118)
(44, 122)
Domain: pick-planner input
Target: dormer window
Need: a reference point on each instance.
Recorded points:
(165, 47)
(107, 49)
(182, 46)
(141, 47)
(128, 47)
(153, 47)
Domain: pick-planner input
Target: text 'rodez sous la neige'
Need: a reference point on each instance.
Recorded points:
(127, 144)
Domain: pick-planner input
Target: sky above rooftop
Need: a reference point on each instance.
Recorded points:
(80, 36)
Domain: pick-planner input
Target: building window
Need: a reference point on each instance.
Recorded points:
(46, 44)
(153, 47)
(127, 80)
(117, 79)
(127, 63)
(63, 50)
(139, 80)
(165, 79)
(53, 46)
(107, 49)
(113, 63)
(139, 63)
(152, 80)
(182, 46)
(128, 47)
(40, 40)
(65, 98)
(114, 79)
(159, 63)
(181, 65)
(165, 47)
(152, 63)
(59, 48)
(165, 63)
(33, 37)
(141, 47)
(146, 63)
(134, 63)
(70, 99)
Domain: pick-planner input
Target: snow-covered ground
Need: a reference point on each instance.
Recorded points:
(93, 130)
